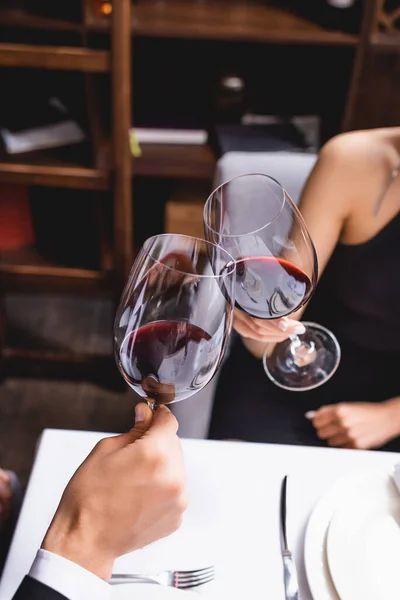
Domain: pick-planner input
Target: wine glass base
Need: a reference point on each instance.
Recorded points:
(308, 370)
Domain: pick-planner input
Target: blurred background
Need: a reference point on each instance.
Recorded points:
(113, 115)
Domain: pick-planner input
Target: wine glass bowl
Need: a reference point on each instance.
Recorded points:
(255, 220)
(174, 317)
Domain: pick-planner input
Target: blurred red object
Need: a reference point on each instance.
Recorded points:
(16, 228)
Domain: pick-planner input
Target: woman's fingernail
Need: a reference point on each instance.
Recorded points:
(310, 414)
(299, 329)
(282, 325)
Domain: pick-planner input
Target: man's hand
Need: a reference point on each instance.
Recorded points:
(5, 497)
(360, 425)
(129, 492)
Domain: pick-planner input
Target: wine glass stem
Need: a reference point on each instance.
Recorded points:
(296, 343)
(303, 352)
(153, 405)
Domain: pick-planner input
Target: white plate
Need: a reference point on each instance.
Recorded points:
(315, 559)
(363, 543)
(149, 591)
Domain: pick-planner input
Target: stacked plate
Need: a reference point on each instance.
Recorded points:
(352, 545)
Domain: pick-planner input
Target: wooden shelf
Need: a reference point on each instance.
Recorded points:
(54, 176)
(24, 269)
(22, 19)
(19, 278)
(248, 21)
(181, 161)
(53, 168)
(67, 58)
(386, 41)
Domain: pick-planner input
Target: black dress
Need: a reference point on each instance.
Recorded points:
(358, 299)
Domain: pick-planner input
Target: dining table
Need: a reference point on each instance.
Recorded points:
(233, 518)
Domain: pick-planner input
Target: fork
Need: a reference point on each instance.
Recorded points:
(177, 579)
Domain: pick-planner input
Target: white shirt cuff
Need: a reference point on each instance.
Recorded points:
(67, 578)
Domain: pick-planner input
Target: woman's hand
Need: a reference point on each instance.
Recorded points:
(266, 330)
(359, 425)
(5, 497)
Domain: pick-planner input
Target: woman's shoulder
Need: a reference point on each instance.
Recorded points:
(358, 150)
(360, 164)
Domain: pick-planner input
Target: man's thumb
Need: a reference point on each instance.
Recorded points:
(143, 420)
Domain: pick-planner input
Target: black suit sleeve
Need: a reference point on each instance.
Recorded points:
(30, 589)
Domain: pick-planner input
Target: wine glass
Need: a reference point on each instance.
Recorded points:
(255, 220)
(174, 317)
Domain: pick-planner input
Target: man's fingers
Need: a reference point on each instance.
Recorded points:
(143, 421)
(163, 422)
(148, 424)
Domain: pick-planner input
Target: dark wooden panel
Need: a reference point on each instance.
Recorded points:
(54, 57)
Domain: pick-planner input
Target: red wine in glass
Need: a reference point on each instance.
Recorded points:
(269, 287)
(174, 317)
(168, 351)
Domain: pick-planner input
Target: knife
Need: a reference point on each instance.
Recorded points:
(289, 567)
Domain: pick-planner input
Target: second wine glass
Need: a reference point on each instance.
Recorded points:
(255, 220)
(174, 317)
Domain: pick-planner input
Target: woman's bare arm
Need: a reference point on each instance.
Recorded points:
(326, 203)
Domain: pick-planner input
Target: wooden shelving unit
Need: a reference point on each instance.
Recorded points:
(104, 50)
(77, 169)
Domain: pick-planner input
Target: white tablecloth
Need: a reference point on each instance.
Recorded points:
(233, 516)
